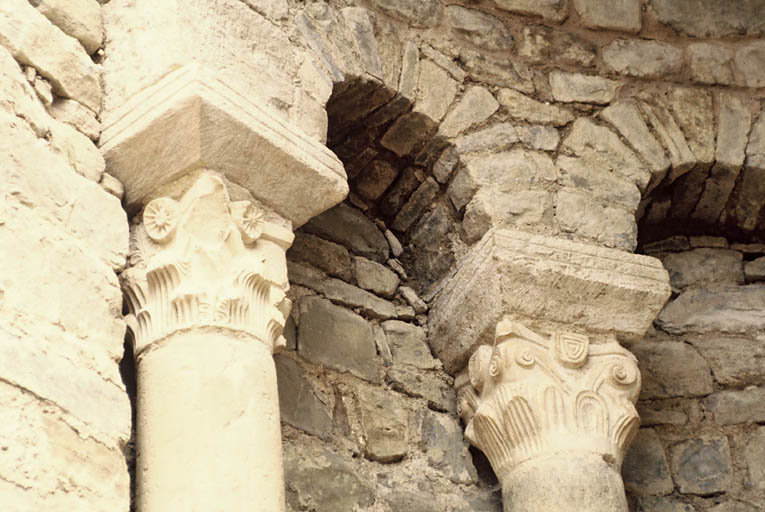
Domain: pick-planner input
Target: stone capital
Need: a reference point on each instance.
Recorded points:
(203, 260)
(531, 397)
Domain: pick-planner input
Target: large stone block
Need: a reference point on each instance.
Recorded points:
(702, 465)
(729, 309)
(539, 277)
(737, 406)
(711, 18)
(619, 15)
(645, 469)
(735, 362)
(672, 369)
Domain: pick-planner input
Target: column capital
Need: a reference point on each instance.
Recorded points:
(531, 397)
(202, 260)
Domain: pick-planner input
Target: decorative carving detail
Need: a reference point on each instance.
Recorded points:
(531, 397)
(205, 261)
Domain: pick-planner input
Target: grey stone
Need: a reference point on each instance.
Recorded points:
(418, 13)
(661, 504)
(735, 506)
(397, 268)
(445, 62)
(498, 136)
(522, 107)
(435, 91)
(445, 447)
(411, 297)
(652, 414)
(351, 228)
(408, 181)
(642, 58)
(755, 459)
(305, 275)
(490, 69)
(672, 369)
(358, 21)
(445, 165)
(324, 482)
(375, 277)
(408, 345)
(754, 271)
(710, 63)
(382, 345)
(675, 243)
(401, 499)
(749, 69)
(475, 106)
(420, 199)
(543, 45)
(694, 113)
(432, 245)
(406, 132)
(428, 385)
(725, 309)
(545, 138)
(702, 465)
(480, 28)
(386, 425)
(737, 406)
(621, 15)
(711, 18)
(613, 226)
(755, 149)
(597, 181)
(327, 256)
(735, 362)
(553, 10)
(645, 470)
(576, 87)
(81, 118)
(395, 246)
(336, 338)
(299, 403)
(405, 312)
(713, 242)
(669, 134)
(375, 179)
(704, 266)
(348, 295)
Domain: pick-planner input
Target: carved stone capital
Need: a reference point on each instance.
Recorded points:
(532, 397)
(203, 260)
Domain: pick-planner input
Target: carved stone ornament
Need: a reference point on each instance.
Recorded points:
(206, 261)
(531, 397)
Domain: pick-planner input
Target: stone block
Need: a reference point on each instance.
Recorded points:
(375, 179)
(552, 10)
(349, 227)
(597, 181)
(498, 136)
(576, 212)
(718, 20)
(694, 113)
(712, 242)
(672, 369)
(710, 63)
(661, 504)
(645, 469)
(408, 345)
(475, 106)
(522, 107)
(435, 91)
(511, 272)
(411, 297)
(419, 13)
(576, 87)
(542, 44)
(496, 208)
(726, 309)
(669, 134)
(731, 407)
(642, 58)
(541, 137)
(385, 421)
(621, 15)
(348, 295)
(445, 447)
(480, 28)
(754, 271)
(327, 256)
(445, 62)
(419, 200)
(336, 338)
(422, 384)
(80, 19)
(375, 277)
(755, 458)
(735, 362)
(748, 62)
(702, 465)
(703, 267)
(73, 113)
(446, 163)
(407, 132)
(299, 403)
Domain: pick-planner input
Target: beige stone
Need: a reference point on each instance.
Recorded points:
(643, 58)
(572, 87)
(475, 106)
(621, 15)
(525, 108)
(436, 91)
(70, 112)
(669, 134)
(710, 63)
(80, 19)
(577, 212)
(748, 62)
(553, 10)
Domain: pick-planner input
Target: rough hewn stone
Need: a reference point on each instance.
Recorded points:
(411, 297)
(576, 212)
(621, 15)
(418, 13)
(710, 63)
(702, 465)
(375, 179)
(726, 309)
(406, 132)
(480, 28)
(710, 18)
(327, 256)
(755, 458)
(299, 404)
(545, 138)
(520, 106)
(435, 91)
(350, 296)
(704, 266)
(445, 448)
(542, 44)
(571, 87)
(669, 134)
(476, 105)
(645, 470)
(407, 344)
(597, 181)
(553, 10)
(80, 19)
(423, 384)
(386, 425)
(351, 228)
(754, 271)
(672, 369)
(643, 58)
(71, 112)
(496, 137)
(420, 199)
(737, 406)
(375, 277)
(748, 63)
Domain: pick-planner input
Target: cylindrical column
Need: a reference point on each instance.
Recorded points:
(208, 431)
(554, 416)
(206, 292)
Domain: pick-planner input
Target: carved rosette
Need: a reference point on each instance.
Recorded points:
(203, 261)
(531, 396)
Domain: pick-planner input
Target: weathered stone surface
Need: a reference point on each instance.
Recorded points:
(737, 406)
(299, 404)
(710, 63)
(408, 181)
(672, 138)
(80, 19)
(734, 506)
(35, 41)
(349, 227)
(597, 181)
(726, 309)
(754, 271)
(694, 113)
(71, 112)
(480, 28)
(375, 277)
(418, 13)
(755, 458)
(445, 447)
(327, 256)
(571, 87)
(420, 199)
(718, 19)
(411, 297)
(712, 242)
(661, 504)
(375, 179)
(512, 272)
(542, 44)
(476, 105)
(428, 385)
(324, 481)
(545, 138)
(435, 91)
(702, 465)
(336, 338)
(491, 208)
(651, 415)
(704, 266)
(748, 62)
(386, 425)
(446, 163)
(621, 15)
(350, 296)
(395, 246)
(78, 150)
(755, 149)
(112, 185)
(497, 136)
(445, 62)
(671, 369)
(407, 344)
(645, 470)
(643, 58)
(495, 70)
(553, 10)
(406, 132)
(577, 212)
(520, 106)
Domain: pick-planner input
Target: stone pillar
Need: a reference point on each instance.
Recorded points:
(206, 293)
(554, 416)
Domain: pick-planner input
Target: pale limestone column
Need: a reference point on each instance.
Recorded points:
(555, 416)
(206, 292)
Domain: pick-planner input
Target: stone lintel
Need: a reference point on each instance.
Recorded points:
(192, 120)
(544, 280)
